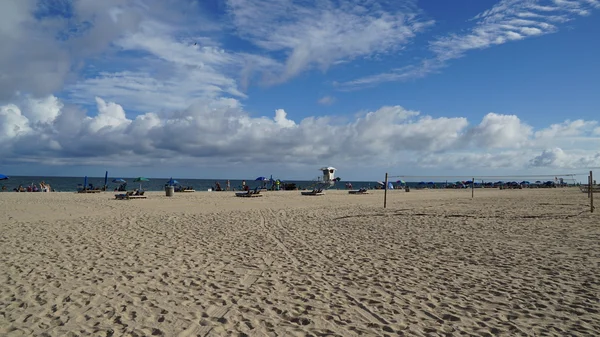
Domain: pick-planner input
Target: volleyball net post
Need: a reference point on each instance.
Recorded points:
(385, 191)
(591, 191)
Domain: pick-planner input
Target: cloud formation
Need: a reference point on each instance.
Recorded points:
(51, 131)
(141, 83)
(326, 100)
(319, 34)
(507, 21)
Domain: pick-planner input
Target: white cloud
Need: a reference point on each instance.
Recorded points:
(326, 100)
(559, 158)
(220, 128)
(41, 51)
(12, 122)
(500, 131)
(322, 33)
(566, 129)
(506, 21)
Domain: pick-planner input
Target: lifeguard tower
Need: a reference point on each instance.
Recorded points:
(328, 175)
(324, 182)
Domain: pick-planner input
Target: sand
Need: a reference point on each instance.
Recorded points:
(518, 262)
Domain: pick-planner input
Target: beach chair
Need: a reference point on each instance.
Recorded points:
(359, 191)
(130, 195)
(316, 191)
(137, 195)
(249, 194)
(123, 196)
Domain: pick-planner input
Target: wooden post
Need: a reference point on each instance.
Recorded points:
(472, 188)
(591, 193)
(385, 191)
(590, 185)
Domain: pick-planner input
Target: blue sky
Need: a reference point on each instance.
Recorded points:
(231, 89)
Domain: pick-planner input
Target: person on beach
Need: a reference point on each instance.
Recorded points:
(228, 186)
(244, 185)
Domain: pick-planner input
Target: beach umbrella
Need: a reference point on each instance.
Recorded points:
(260, 179)
(431, 183)
(119, 181)
(3, 177)
(173, 182)
(401, 182)
(140, 180)
(421, 183)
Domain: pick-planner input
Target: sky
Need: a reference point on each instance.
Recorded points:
(243, 88)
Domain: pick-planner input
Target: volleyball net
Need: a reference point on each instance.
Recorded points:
(474, 182)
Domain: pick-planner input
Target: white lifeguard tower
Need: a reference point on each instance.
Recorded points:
(322, 183)
(328, 175)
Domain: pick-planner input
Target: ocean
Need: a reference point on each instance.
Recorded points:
(69, 184)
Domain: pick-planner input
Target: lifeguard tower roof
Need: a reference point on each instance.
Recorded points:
(327, 168)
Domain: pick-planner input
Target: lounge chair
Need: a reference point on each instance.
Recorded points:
(130, 195)
(137, 195)
(123, 196)
(359, 191)
(249, 194)
(316, 191)
(89, 191)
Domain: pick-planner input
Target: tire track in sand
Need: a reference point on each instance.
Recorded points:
(247, 279)
(361, 308)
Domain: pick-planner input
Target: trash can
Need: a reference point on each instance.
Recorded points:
(407, 189)
(169, 191)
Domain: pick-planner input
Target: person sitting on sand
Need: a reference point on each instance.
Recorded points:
(218, 186)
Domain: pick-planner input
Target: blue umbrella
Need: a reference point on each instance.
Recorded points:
(172, 182)
(3, 177)
(261, 178)
(422, 183)
(119, 181)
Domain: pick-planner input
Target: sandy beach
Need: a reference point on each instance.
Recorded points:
(512, 262)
